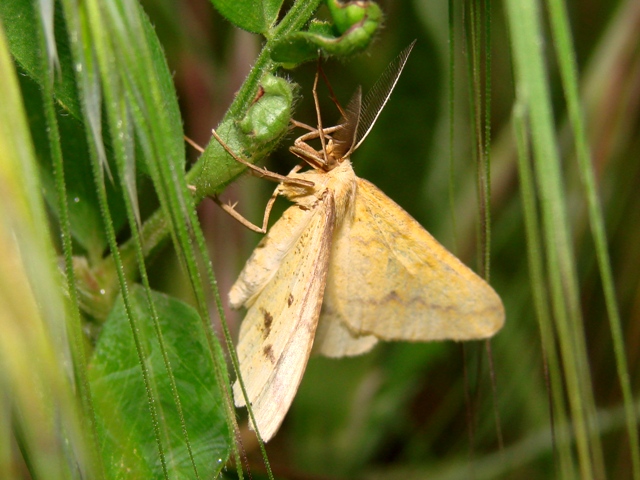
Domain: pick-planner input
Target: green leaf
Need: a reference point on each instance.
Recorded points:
(37, 397)
(21, 23)
(355, 25)
(300, 47)
(84, 211)
(254, 16)
(129, 447)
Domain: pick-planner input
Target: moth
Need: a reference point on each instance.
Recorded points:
(343, 268)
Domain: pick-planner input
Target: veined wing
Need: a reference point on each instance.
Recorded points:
(334, 338)
(268, 255)
(277, 333)
(392, 279)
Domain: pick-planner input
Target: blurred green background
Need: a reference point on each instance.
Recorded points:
(447, 410)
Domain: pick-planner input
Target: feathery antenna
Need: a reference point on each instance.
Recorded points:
(378, 96)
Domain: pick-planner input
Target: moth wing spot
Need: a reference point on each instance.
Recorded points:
(268, 321)
(268, 353)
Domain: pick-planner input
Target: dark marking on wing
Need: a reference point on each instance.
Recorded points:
(268, 320)
(392, 296)
(268, 353)
(290, 300)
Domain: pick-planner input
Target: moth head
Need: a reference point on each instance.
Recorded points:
(323, 159)
(334, 154)
(358, 118)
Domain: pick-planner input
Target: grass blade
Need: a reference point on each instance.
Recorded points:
(568, 71)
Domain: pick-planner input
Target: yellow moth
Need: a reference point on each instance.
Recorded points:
(345, 267)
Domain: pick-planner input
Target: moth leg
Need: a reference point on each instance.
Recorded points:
(230, 209)
(305, 151)
(267, 211)
(314, 91)
(297, 168)
(262, 172)
(313, 131)
(298, 124)
(309, 155)
(192, 188)
(234, 213)
(193, 144)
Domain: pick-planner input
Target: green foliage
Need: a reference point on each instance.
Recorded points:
(256, 17)
(355, 26)
(105, 377)
(252, 136)
(34, 346)
(268, 117)
(198, 442)
(84, 211)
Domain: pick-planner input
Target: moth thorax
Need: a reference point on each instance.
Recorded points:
(343, 185)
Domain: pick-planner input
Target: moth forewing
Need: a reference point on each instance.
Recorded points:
(277, 333)
(268, 255)
(390, 278)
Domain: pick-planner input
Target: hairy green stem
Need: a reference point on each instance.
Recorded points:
(155, 230)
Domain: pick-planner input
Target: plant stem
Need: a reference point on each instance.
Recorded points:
(155, 230)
